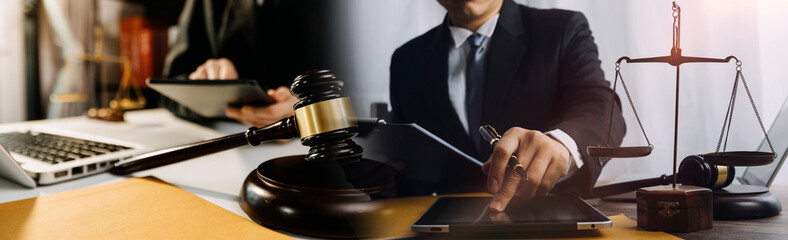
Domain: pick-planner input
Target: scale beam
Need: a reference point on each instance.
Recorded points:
(676, 60)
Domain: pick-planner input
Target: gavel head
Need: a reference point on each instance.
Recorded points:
(325, 118)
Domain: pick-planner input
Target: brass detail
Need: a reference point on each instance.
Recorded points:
(722, 175)
(669, 209)
(325, 116)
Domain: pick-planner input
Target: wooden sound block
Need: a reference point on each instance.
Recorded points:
(685, 208)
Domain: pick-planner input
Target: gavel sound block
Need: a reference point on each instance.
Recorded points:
(329, 191)
(326, 193)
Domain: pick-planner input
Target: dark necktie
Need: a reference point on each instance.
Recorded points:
(474, 85)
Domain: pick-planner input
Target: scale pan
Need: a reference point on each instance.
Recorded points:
(619, 152)
(739, 158)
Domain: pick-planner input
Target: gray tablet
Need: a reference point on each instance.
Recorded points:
(210, 98)
(470, 215)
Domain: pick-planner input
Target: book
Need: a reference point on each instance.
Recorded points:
(144, 42)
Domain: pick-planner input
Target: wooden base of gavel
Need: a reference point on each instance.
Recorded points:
(327, 199)
(326, 193)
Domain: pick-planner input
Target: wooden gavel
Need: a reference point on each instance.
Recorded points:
(324, 119)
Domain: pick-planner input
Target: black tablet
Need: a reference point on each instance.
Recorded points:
(210, 98)
(471, 215)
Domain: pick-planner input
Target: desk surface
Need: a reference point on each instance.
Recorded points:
(218, 178)
(768, 228)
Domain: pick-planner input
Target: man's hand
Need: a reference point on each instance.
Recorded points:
(265, 115)
(215, 69)
(544, 159)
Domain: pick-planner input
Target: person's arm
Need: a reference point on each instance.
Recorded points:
(584, 100)
(190, 50)
(192, 47)
(395, 78)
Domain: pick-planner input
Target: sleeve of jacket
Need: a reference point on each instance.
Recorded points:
(396, 72)
(191, 48)
(585, 98)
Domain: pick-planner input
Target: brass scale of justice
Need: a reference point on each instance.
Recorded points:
(128, 96)
(720, 158)
(732, 158)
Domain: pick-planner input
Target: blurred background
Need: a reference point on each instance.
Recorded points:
(61, 57)
(50, 65)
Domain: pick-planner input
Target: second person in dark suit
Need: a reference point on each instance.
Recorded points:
(271, 41)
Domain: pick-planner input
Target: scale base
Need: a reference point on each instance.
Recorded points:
(684, 208)
(740, 202)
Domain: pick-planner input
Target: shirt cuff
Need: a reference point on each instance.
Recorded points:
(574, 152)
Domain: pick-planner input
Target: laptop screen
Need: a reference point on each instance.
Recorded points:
(778, 134)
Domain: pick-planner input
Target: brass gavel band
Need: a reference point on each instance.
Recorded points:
(325, 116)
(722, 175)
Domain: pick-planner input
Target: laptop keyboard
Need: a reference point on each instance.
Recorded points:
(54, 149)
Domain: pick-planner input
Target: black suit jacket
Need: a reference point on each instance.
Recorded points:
(543, 73)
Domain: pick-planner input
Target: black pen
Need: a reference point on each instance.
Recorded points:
(490, 135)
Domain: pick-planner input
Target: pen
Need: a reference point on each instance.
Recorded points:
(491, 136)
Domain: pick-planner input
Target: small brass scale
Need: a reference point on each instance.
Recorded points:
(128, 96)
(728, 158)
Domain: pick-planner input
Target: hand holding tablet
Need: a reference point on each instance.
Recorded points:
(210, 98)
(260, 116)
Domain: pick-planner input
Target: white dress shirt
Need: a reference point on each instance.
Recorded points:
(457, 59)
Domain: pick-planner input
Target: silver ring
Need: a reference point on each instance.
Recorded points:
(521, 171)
(518, 165)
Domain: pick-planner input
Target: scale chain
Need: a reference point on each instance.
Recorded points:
(758, 116)
(633, 108)
(729, 114)
(608, 120)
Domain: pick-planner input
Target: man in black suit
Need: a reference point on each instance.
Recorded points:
(534, 72)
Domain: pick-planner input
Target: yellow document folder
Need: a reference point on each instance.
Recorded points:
(138, 208)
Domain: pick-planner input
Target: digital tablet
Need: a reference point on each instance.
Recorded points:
(470, 215)
(210, 98)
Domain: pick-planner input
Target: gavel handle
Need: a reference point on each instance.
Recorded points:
(283, 129)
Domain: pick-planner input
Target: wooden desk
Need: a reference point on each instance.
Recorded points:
(218, 178)
(400, 213)
(767, 228)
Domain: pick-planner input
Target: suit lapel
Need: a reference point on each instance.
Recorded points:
(507, 48)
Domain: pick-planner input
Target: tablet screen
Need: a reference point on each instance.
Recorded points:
(541, 212)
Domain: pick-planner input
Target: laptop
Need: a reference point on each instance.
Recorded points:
(52, 151)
